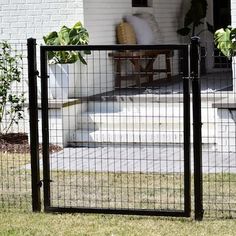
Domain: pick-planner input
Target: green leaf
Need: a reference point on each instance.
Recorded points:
(82, 59)
(223, 41)
(77, 25)
(77, 35)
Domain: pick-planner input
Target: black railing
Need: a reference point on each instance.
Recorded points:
(121, 141)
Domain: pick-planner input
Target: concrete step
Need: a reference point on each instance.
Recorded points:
(120, 121)
(172, 109)
(124, 121)
(134, 107)
(100, 137)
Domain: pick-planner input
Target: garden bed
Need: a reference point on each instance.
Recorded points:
(18, 143)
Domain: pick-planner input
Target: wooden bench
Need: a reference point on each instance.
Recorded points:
(143, 65)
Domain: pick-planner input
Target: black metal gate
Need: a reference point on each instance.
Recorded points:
(124, 150)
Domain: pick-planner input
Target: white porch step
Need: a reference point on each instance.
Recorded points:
(101, 137)
(137, 122)
(135, 107)
(124, 121)
(121, 121)
(116, 136)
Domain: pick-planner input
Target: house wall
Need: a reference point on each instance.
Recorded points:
(102, 16)
(233, 21)
(21, 19)
(233, 12)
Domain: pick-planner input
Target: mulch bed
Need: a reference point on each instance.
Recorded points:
(18, 143)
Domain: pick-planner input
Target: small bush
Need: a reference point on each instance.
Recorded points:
(11, 105)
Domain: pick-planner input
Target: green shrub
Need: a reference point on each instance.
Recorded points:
(11, 105)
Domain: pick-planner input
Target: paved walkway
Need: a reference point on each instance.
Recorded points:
(135, 159)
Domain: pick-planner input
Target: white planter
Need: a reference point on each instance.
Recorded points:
(58, 82)
(66, 80)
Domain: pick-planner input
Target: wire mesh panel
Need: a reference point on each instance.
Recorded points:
(119, 122)
(218, 133)
(15, 174)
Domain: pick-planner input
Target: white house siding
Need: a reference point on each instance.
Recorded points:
(102, 17)
(233, 12)
(233, 21)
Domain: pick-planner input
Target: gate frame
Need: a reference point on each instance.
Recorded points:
(185, 48)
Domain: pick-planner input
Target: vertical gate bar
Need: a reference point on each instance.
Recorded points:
(187, 161)
(45, 130)
(33, 120)
(197, 127)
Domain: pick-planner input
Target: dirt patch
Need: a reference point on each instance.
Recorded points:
(18, 143)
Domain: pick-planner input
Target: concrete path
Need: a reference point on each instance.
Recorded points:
(137, 159)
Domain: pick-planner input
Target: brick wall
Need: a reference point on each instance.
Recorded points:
(20, 19)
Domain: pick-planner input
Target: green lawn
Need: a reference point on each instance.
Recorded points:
(111, 190)
(78, 224)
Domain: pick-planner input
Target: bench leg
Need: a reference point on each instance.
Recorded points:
(168, 67)
(137, 70)
(118, 74)
(149, 69)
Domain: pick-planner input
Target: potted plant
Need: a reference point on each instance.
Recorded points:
(193, 19)
(225, 40)
(65, 66)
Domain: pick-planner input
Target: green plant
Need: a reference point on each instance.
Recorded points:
(194, 17)
(225, 40)
(11, 105)
(77, 35)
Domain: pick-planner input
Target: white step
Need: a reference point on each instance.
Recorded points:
(123, 121)
(119, 137)
(173, 109)
(133, 107)
(127, 137)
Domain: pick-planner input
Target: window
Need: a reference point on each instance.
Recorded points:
(139, 3)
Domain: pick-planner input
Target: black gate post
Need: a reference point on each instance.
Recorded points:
(187, 128)
(45, 127)
(33, 114)
(197, 127)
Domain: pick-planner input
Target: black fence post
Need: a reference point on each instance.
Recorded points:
(187, 128)
(45, 127)
(33, 114)
(197, 127)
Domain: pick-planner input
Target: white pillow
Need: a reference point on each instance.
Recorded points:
(150, 18)
(143, 31)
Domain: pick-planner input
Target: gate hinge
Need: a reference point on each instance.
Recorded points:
(36, 73)
(40, 183)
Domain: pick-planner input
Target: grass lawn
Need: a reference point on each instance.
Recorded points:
(110, 190)
(81, 224)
